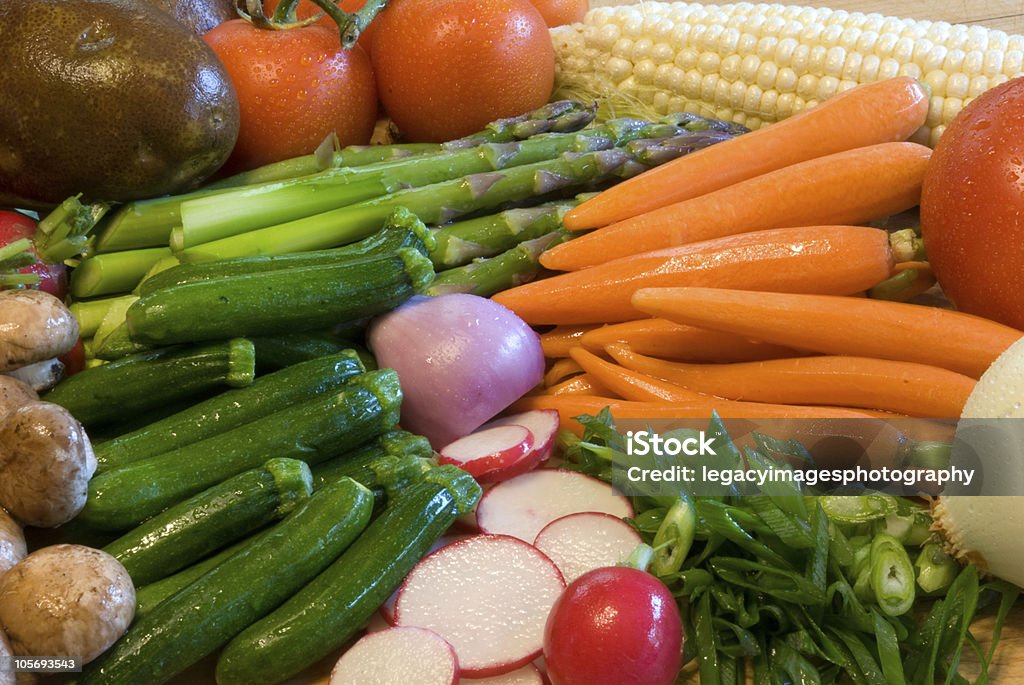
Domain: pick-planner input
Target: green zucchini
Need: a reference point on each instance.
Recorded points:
(149, 596)
(403, 229)
(198, 619)
(276, 302)
(117, 344)
(337, 604)
(215, 517)
(313, 431)
(357, 464)
(150, 380)
(281, 351)
(231, 409)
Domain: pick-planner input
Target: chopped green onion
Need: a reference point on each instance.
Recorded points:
(892, 575)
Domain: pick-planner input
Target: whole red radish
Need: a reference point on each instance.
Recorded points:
(295, 86)
(53, 278)
(972, 206)
(614, 626)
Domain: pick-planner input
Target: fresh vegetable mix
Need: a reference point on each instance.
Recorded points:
(898, 386)
(148, 223)
(801, 586)
(833, 260)
(885, 111)
(845, 326)
(843, 188)
(206, 614)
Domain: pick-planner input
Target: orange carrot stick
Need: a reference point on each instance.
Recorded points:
(558, 341)
(569, 406)
(581, 384)
(845, 188)
(833, 260)
(880, 112)
(840, 325)
(669, 340)
(560, 371)
(904, 387)
(631, 385)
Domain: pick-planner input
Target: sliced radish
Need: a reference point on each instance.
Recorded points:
(398, 656)
(387, 609)
(527, 675)
(489, 451)
(543, 424)
(578, 543)
(378, 622)
(489, 596)
(522, 506)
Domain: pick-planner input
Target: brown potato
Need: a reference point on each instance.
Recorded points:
(14, 393)
(12, 542)
(66, 600)
(34, 326)
(46, 460)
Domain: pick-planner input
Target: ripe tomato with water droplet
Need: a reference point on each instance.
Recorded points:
(972, 206)
(289, 104)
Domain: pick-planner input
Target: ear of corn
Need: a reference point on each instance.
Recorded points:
(756, 64)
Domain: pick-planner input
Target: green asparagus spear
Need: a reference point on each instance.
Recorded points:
(487, 276)
(148, 223)
(441, 202)
(211, 218)
(461, 242)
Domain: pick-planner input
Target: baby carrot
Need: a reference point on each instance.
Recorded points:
(629, 384)
(558, 341)
(840, 325)
(669, 340)
(560, 371)
(580, 384)
(834, 260)
(881, 112)
(569, 406)
(903, 387)
(845, 188)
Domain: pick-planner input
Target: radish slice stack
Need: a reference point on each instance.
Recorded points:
(398, 656)
(506, 447)
(522, 506)
(489, 596)
(578, 543)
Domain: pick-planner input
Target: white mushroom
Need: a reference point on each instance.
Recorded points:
(14, 393)
(46, 460)
(66, 600)
(12, 542)
(34, 326)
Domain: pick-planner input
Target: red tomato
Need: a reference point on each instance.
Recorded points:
(562, 12)
(641, 644)
(74, 359)
(446, 68)
(307, 8)
(53, 278)
(972, 206)
(294, 87)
